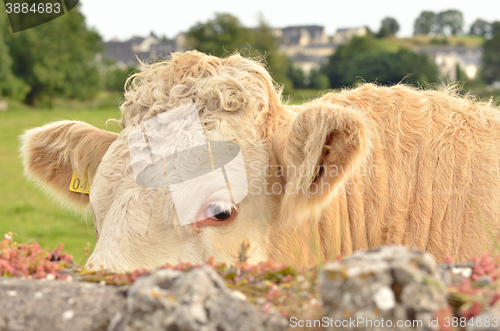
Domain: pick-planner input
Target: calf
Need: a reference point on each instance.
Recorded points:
(355, 169)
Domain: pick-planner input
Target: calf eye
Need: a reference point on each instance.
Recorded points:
(220, 213)
(217, 215)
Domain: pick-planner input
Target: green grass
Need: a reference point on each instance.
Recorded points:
(24, 209)
(426, 40)
(303, 95)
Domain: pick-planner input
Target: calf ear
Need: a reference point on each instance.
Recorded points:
(52, 153)
(318, 152)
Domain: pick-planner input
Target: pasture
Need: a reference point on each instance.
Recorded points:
(24, 209)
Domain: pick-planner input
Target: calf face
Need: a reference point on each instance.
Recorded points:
(142, 221)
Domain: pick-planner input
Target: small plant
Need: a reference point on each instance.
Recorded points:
(29, 260)
(480, 291)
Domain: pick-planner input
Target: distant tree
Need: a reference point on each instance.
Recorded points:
(495, 28)
(369, 31)
(338, 67)
(218, 36)
(446, 22)
(389, 27)
(296, 76)
(56, 59)
(263, 43)
(491, 56)
(318, 81)
(368, 60)
(360, 45)
(450, 22)
(425, 23)
(224, 34)
(10, 85)
(114, 77)
(480, 28)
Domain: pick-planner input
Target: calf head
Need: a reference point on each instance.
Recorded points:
(287, 154)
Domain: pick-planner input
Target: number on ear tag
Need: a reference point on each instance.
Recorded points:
(78, 184)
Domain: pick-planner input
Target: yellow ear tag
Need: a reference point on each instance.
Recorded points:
(79, 185)
(319, 166)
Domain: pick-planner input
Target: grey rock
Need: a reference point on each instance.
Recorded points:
(163, 300)
(381, 288)
(56, 305)
(454, 274)
(197, 300)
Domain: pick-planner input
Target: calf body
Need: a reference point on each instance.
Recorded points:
(431, 181)
(350, 170)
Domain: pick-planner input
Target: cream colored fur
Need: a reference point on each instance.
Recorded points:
(400, 166)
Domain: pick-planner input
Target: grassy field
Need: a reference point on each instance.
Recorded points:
(24, 209)
(302, 95)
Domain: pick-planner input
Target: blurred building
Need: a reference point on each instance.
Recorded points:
(126, 53)
(307, 45)
(344, 35)
(294, 38)
(451, 59)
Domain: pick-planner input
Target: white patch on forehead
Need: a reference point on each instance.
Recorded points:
(174, 131)
(170, 150)
(163, 135)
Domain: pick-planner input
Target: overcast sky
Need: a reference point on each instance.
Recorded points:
(125, 18)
